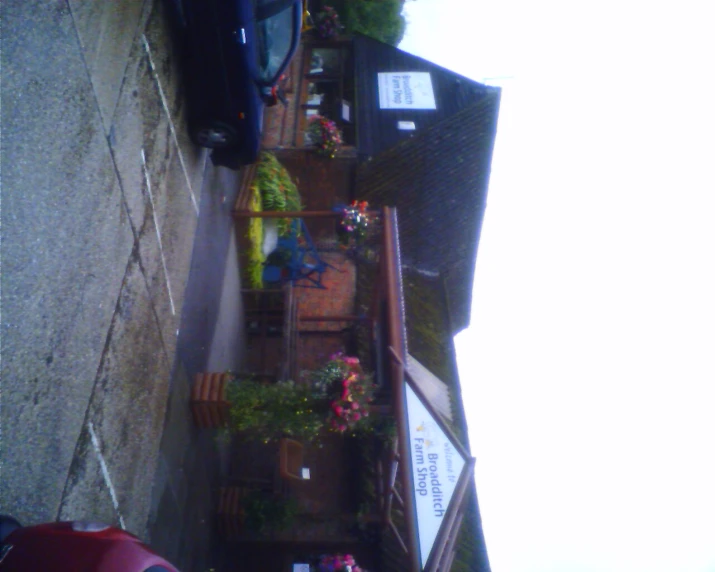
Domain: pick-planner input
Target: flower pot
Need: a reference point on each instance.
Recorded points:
(209, 406)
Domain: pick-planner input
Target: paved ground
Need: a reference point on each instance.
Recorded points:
(105, 319)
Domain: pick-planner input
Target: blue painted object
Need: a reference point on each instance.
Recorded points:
(305, 267)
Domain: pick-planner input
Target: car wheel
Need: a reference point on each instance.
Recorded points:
(214, 135)
(7, 526)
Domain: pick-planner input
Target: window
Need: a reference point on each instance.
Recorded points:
(275, 37)
(329, 88)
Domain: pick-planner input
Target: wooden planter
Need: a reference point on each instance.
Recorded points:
(231, 515)
(208, 400)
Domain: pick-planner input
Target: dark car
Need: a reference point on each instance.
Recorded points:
(74, 547)
(237, 52)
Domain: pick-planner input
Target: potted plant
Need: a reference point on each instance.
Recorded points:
(347, 390)
(325, 136)
(338, 563)
(259, 410)
(354, 223)
(264, 511)
(337, 399)
(327, 23)
(269, 411)
(255, 511)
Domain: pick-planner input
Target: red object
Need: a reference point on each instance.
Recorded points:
(60, 547)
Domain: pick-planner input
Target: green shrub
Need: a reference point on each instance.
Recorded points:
(267, 512)
(268, 411)
(278, 191)
(273, 190)
(254, 270)
(382, 20)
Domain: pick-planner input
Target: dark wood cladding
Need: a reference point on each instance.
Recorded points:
(377, 128)
(438, 180)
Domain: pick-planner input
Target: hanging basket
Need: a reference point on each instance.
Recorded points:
(327, 23)
(325, 136)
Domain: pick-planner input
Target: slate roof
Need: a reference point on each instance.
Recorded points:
(429, 340)
(438, 180)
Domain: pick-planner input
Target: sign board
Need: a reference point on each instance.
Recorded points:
(406, 90)
(346, 111)
(436, 467)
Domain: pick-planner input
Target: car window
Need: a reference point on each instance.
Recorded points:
(275, 37)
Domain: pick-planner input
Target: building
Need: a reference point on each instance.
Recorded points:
(418, 146)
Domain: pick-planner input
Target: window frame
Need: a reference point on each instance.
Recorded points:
(342, 46)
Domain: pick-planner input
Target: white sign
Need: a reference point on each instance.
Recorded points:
(436, 466)
(406, 90)
(346, 111)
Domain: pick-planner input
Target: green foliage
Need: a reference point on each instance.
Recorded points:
(264, 511)
(273, 190)
(269, 411)
(277, 190)
(380, 427)
(379, 19)
(254, 270)
(343, 384)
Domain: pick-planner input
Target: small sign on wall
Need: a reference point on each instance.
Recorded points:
(406, 90)
(346, 111)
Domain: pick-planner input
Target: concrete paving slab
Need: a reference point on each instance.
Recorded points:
(106, 32)
(227, 344)
(178, 427)
(128, 404)
(165, 254)
(91, 497)
(208, 265)
(140, 128)
(158, 176)
(62, 220)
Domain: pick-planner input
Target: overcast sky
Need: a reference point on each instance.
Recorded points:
(589, 367)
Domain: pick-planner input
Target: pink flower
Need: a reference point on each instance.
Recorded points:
(356, 416)
(343, 428)
(338, 410)
(351, 360)
(349, 560)
(355, 405)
